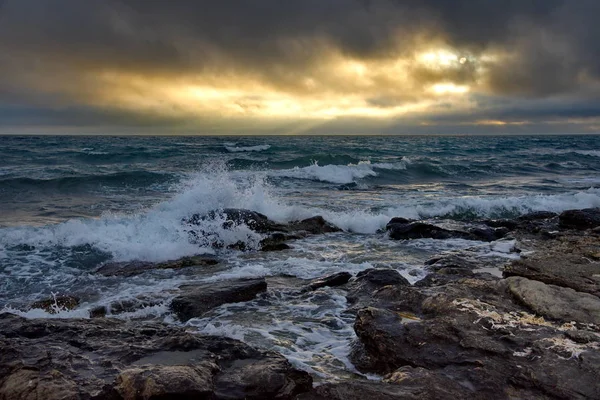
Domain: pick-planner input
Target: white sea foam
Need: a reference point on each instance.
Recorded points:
(158, 234)
(310, 330)
(594, 153)
(234, 149)
(339, 174)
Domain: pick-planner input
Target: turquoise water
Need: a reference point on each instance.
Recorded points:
(68, 204)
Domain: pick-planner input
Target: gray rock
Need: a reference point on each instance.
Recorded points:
(405, 383)
(337, 279)
(132, 268)
(315, 225)
(195, 300)
(568, 261)
(360, 291)
(421, 230)
(555, 302)
(117, 360)
(588, 218)
(64, 302)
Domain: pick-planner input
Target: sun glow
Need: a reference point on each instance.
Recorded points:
(449, 88)
(336, 87)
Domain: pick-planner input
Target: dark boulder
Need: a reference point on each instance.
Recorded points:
(118, 360)
(360, 291)
(537, 215)
(488, 234)
(254, 220)
(316, 225)
(132, 268)
(57, 303)
(421, 230)
(275, 242)
(337, 279)
(195, 300)
(588, 218)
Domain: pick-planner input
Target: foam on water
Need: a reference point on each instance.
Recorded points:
(312, 330)
(338, 174)
(158, 234)
(233, 149)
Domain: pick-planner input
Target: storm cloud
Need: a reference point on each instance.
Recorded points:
(233, 63)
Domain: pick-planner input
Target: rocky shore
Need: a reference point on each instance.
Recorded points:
(461, 332)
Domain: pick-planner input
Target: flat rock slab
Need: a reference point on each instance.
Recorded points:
(195, 300)
(568, 261)
(564, 304)
(133, 268)
(71, 359)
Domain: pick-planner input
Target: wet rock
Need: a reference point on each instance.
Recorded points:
(555, 302)
(444, 276)
(381, 277)
(315, 225)
(337, 279)
(451, 261)
(502, 223)
(132, 268)
(275, 242)
(57, 303)
(125, 306)
(167, 381)
(254, 220)
(361, 290)
(488, 234)
(112, 359)
(195, 300)
(421, 230)
(537, 215)
(588, 218)
(481, 347)
(406, 383)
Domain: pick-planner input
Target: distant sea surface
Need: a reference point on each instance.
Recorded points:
(70, 203)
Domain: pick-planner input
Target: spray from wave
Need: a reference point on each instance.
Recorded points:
(158, 233)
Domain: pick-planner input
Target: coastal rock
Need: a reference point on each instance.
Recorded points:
(232, 216)
(337, 279)
(556, 302)
(406, 383)
(537, 215)
(315, 225)
(274, 242)
(487, 234)
(421, 230)
(132, 268)
(195, 300)
(164, 381)
(367, 281)
(112, 359)
(57, 303)
(588, 218)
(569, 261)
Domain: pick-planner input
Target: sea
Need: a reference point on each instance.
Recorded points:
(68, 204)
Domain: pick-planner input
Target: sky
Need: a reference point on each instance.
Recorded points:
(299, 66)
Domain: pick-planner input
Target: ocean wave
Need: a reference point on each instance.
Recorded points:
(338, 174)
(158, 234)
(235, 149)
(132, 178)
(594, 153)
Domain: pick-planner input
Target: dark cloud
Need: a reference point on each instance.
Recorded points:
(51, 51)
